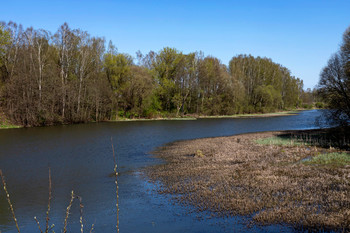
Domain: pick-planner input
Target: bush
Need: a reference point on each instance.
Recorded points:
(307, 106)
(319, 105)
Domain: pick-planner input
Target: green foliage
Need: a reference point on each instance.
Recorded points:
(280, 141)
(70, 77)
(319, 105)
(5, 39)
(268, 86)
(307, 106)
(151, 106)
(117, 69)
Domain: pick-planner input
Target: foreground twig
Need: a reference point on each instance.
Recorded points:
(92, 228)
(48, 205)
(116, 183)
(67, 212)
(37, 222)
(81, 206)
(9, 201)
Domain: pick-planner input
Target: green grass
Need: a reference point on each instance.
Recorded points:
(279, 141)
(334, 158)
(5, 125)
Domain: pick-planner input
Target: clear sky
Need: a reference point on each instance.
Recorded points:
(299, 34)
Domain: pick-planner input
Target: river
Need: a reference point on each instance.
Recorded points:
(80, 158)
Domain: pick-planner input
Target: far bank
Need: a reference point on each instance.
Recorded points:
(6, 124)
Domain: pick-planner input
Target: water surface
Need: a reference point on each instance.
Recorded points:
(80, 157)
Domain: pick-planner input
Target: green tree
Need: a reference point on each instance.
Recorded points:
(4, 40)
(169, 69)
(268, 86)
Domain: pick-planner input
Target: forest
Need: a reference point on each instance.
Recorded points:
(70, 76)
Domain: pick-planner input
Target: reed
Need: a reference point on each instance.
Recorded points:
(325, 138)
(9, 200)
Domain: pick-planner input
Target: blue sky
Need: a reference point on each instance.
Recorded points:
(301, 35)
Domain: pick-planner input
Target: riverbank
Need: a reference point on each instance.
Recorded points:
(195, 117)
(5, 124)
(271, 177)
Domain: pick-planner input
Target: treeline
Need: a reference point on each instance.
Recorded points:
(70, 76)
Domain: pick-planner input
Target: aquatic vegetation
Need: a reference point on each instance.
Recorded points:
(326, 138)
(199, 153)
(266, 182)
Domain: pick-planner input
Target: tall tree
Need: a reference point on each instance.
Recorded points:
(117, 68)
(334, 84)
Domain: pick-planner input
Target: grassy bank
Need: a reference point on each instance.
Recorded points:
(264, 175)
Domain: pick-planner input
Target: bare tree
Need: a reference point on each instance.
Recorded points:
(38, 47)
(66, 44)
(334, 86)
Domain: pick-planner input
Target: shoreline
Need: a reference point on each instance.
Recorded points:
(194, 117)
(6, 125)
(243, 175)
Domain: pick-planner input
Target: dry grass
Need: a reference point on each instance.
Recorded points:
(271, 183)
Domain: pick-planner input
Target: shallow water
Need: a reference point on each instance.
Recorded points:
(80, 157)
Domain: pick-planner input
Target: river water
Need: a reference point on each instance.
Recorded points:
(80, 158)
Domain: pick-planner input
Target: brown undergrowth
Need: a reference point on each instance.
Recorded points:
(271, 183)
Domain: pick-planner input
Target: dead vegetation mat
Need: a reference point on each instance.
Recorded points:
(237, 176)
